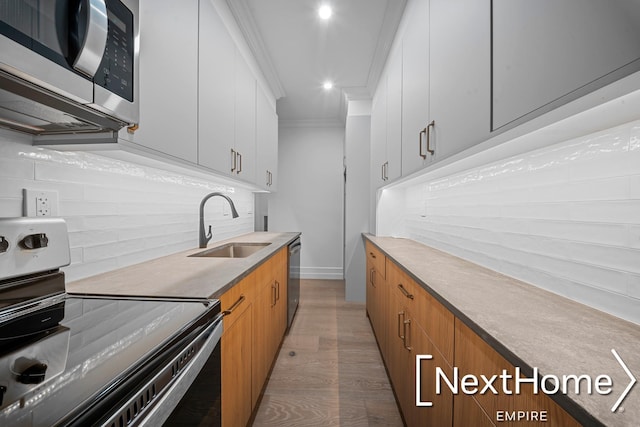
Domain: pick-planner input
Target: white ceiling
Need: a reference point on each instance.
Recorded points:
(297, 51)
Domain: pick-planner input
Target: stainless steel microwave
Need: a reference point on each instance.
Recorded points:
(68, 66)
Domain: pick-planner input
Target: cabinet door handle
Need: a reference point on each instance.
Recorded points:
(386, 171)
(234, 306)
(273, 294)
(239, 162)
(400, 315)
(233, 160)
(382, 172)
(404, 291)
(407, 335)
(372, 275)
(270, 179)
(429, 126)
(422, 132)
(277, 291)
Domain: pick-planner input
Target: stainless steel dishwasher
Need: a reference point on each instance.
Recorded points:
(293, 282)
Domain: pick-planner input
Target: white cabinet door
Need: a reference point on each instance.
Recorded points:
(267, 142)
(394, 117)
(216, 124)
(460, 74)
(415, 87)
(548, 52)
(379, 134)
(245, 121)
(168, 79)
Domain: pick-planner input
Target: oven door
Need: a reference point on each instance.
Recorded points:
(183, 390)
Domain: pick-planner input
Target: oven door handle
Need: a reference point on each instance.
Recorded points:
(164, 405)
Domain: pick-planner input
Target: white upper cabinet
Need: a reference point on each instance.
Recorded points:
(267, 142)
(394, 117)
(415, 87)
(386, 124)
(168, 79)
(459, 74)
(244, 149)
(216, 103)
(548, 52)
(379, 134)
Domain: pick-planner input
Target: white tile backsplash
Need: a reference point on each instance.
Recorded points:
(565, 218)
(118, 213)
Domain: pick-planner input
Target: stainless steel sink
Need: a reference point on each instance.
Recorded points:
(232, 250)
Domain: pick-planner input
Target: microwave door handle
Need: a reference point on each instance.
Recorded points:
(95, 38)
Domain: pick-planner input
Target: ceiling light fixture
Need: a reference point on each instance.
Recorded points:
(327, 85)
(325, 12)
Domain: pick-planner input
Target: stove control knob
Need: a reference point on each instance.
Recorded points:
(34, 374)
(35, 241)
(4, 244)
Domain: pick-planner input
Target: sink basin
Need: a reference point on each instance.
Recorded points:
(232, 250)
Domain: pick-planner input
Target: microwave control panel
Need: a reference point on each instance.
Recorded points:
(116, 69)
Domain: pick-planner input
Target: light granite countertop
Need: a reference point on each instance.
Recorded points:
(182, 276)
(532, 327)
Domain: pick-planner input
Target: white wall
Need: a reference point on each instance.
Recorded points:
(310, 196)
(357, 198)
(565, 217)
(118, 213)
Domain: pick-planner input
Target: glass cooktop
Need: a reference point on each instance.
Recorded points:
(64, 357)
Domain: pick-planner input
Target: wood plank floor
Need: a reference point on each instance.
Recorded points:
(336, 376)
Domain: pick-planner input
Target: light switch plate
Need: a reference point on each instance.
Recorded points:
(40, 202)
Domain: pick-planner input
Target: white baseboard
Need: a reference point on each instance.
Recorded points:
(324, 273)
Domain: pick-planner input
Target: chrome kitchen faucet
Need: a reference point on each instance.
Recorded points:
(204, 239)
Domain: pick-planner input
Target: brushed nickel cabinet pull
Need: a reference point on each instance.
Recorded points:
(268, 178)
(382, 173)
(430, 125)
(239, 162)
(400, 314)
(407, 336)
(233, 160)
(422, 132)
(404, 291)
(234, 306)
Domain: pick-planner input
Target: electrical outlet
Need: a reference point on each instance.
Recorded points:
(40, 203)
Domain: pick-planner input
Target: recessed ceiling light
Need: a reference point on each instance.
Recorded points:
(327, 85)
(325, 11)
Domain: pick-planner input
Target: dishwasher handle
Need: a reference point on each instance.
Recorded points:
(295, 247)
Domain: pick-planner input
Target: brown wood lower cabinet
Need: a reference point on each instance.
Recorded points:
(253, 331)
(236, 373)
(474, 356)
(408, 321)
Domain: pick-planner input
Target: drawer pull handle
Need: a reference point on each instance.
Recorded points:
(234, 306)
(407, 336)
(404, 291)
(400, 334)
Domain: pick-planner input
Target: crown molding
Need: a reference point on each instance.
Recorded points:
(247, 24)
(392, 18)
(311, 123)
